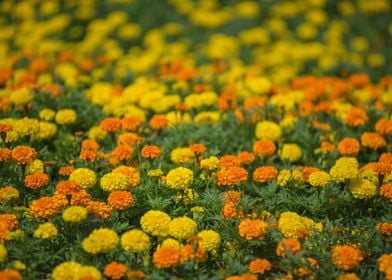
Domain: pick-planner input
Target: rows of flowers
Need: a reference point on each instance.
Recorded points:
(237, 140)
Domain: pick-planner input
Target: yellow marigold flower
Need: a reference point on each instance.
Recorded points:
(96, 133)
(9, 193)
(46, 231)
(66, 116)
(46, 130)
(132, 173)
(290, 152)
(370, 175)
(182, 228)
(170, 242)
(182, 155)
(344, 168)
(101, 240)
(362, 188)
(252, 229)
(84, 177)
(66, 270)
(34, 167)
(283, 177)
(179, 178)
(209, 240)
(267, 130)
(293, 225)
(3, 253)
(210, 163)
(21, 96)
(89, 272)
(18, 265)
(155, 173)
(47, 114)
(135, 241)
(114, 182)
(346, 257)
(319, 179)
(156, 223)
(75, 214)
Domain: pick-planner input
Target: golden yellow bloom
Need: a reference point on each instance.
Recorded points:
(3, 253)
(319, 179)
(209, 240)
(344, 168)
(84, 177)
(135, 241)
(182, 228)
(156, 223)
(75, 214)
(179, 178)
(46, 231)
(101, 240)
(267, 130)
(66, 116)
(290, 152)
(114, 182)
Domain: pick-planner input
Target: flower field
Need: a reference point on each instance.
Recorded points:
(195, 139)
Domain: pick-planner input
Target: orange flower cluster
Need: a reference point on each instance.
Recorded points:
(120, 200)
(115, 270)
(151, 151)
(5, 154)
(89, 150)
(346, 257)
(264, 148)
(166, 257)
(349, 147)
(158, 122)
(232, 176)
(251, 229)
(265, 174)
(110, 125)
(259, 266)
(22, 155)
(45, 207)
(131, 123)
(99, 209)
(288, 246)
(36, 180)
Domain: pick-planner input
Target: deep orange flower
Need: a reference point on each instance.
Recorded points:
(245, 157)
(67, 187)
(121, 153)
(129, 139)
(265, 174)
(66, 170)
(131, 123)
(259, 266)
(9, 221)
(386, 191)
(229, 211)
(87, 155)
(288, 245)
(10, 274)
(5, 128)
(385, 228)
(252, 229)
(327, 146)
(120, 200)
(90, 145)
(227, 161)
(23, 155)
(9, 193)
(111, 125)
(99, 209)
(384, 127)
(38, 65)
(158, 122)
(81, 198)
(115, 270)
(349, 147)
(151, 152)
(5, 154)
(5, 74)
(348, 276)
(36, 180)
(264, 148)
(135, 274)
(166, 257)
(356, 117)
(373, 140)
(346, 257)
(232, 176)
(359, 80)
(198, 148)
(45, 207)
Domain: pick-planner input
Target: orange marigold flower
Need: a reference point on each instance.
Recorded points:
(66, 170)
(307, 170)
(135, 274)
(67, 187)
(229, 211)
(259, 266)
(158, 122)
(36, 180)
(227, 161)
(120, 200)
(232, 176)
(265, 174)
(187, 253)
(198, 148)
(9, 221)
(115, 270)
(90, 145)
(288, 245)
(23, 154)
(385, 228)
(384, 127)
(10, 274)
(327, 146)
(348, 276)
(346, 257)
(111, 125)
(264, 148)
(131, 123)
(81, 198)
(386, 157)
(132, 173)
(151, 152)
(5, 154)
(385, 264)
(121, 153)
(386, 191)
(129, 139)
(373, 140)
(166, 257)
(4, 128)
(356, 117)
(232, 196)
(252, 229)
(349, 147)
(99, 209)
(245, 157)
(87, 155)
(45, 207)
(5, 74)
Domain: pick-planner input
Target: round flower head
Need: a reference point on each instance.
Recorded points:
(179, 178)
(89, 272)
(156, 223)
(182, 228)
(265, 174)
(84, 177)
(22, 155)
(344, 168)
(100, 241)
(182, 155)
(66, 116)
(120, 200)
(135, 241)
(288, 245)
(114, 182)
(293, 225)
(115, 270)
(209, 240)
(264, 148)
(132, 173)
(362, 188)
(66, 270)
(228, 177)
(46, 231)
(267, 130)
(166, 257)
(47, 114)
(252, 229)
(349, 147)
(346, 257)
(21, 96)
(210, 163)
(35, 166)
(75, 214)
(319, 179)
(259, 266)
(290, 152)
(9, 193)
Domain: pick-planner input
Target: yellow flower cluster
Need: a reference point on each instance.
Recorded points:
(75, 214)
(209, 240)
(156, 223)
(46, 231)
(102, 240)
(66, 116)
(268, 130)
(73, 270)
(344, 168)
(293, 225)
(179, 178)
(84, 177)
(182, 228)
(114, 182)
(135, 241)
(290, 152)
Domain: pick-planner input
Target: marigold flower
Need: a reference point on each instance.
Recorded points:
(46, 231)
(267, 130)
(182, 228)
(131, 123)
(156, 223)
(252, 229)
(115, 270)
(135, 274)
(84, 177)
(5, 154)
(100, 209)
(182, 155)
(264, 148)
(384, 127)
(349, 147)
(166, 257)
(114, 182)
(198, 148)
(293, 225)
(228, 161)
(66, 270)
(9, 221)
(159, 121)
(3, 253)
(129, 139)
(101, 240)
(344, 168)
(121, 153)
(308, 264)
(373, 140)
(23, 154)
(21, 96)
(346, 257)
(9, 193)
(259, 266)
(385, 264)
(47, 114)
(362, 188)
(36, 180)
(386, 191)
(265, 174)
(45, 207)
(179, 178)
(385, 228)
(151, 152)
(110, 125)
(66, 116)
(66, 170)
(232, 176)
(210, 163)
(132, 173)
(288, 245)
(319, 179)
(135, 241)
(75, 214)
(11, 274)
(290, 152)
(348, 276)
(356, 117)
(245, 157)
